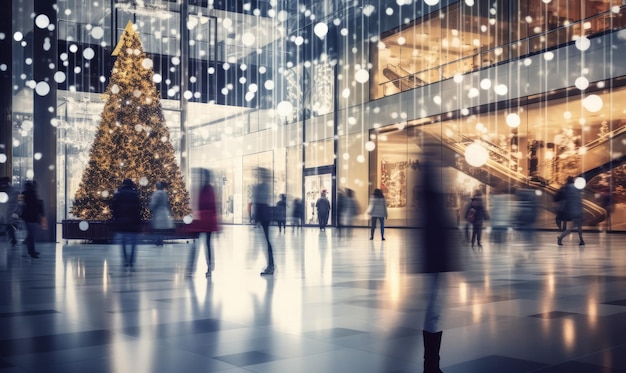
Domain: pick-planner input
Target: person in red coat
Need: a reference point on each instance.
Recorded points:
(205, 218)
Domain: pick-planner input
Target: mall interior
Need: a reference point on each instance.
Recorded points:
(329, 95)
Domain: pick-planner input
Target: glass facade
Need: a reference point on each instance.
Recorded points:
(339, 94)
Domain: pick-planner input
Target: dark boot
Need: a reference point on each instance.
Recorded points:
(432, 344)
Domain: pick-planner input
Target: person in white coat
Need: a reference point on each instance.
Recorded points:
(162, 221)
(377, 210)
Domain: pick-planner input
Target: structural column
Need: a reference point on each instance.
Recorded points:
(45, 103)
(6, 91)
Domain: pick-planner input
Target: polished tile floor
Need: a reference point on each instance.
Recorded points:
(335, 304)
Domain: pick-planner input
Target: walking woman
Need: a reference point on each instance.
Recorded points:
(205, 220)
(33, 216)
(378, 211)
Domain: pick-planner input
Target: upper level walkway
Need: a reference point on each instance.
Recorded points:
(335, 304)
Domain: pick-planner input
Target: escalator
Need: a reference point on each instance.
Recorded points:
(497, 174)
(402, 79)
(596, 154)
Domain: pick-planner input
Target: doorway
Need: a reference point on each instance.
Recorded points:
(315, 181)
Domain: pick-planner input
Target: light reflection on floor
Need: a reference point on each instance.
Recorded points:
(335, 304)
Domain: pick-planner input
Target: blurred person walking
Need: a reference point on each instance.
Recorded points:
(526, 215)
(476, 214)
(323, 210)
(127, 222)
(434, 254)
(560, 213)
(162, 221)
(262, 195)
(350, 210)
(32, 212)
(296, 214)
(377, 210)
(10, 208)
(205, 220)
(573, 210)
(280, 213)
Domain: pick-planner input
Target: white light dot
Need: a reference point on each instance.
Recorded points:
(485, 84)
(583, 43)
(476, 155)
(580, 183)
(269, 85)
(345, 93)
(284, 108)
(188, 219)
(513, 120)
(147, 63)
(97, 32)
(548, 56)
(248, 39)
(4, 197)
(321, 29)
(37, 156)
(253, 88)
(42, 88)
(59, 77)
(593, 103)
(501, 89)
(362, 76)
(581, 83)
(89, 53)
(83, 225)
(42, 21)
(157, 78)
(360, 158)
(18, 36)
(370, 146)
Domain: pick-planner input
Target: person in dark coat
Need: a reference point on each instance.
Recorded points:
(11, 212)
(262, 196)
(434, 251)
(205, 219)
(573, 210)
(33, 216)
(296, 214)
(127, 222)
(476, 214)
(280, 213)
(377, 210)
(560, 213)
(323, 210)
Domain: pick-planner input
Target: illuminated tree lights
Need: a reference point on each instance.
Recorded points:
(132, 140)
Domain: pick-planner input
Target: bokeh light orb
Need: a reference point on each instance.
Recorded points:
(593, 103)
(321, 29)
(362, 76)
(370, 146)
(476, 155)
(284, 108)
(581, 83)
(83, 225)
(580, 183)
(4, 197)
(42, 21)
(513, 120)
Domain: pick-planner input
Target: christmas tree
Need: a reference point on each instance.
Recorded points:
(132, 140)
